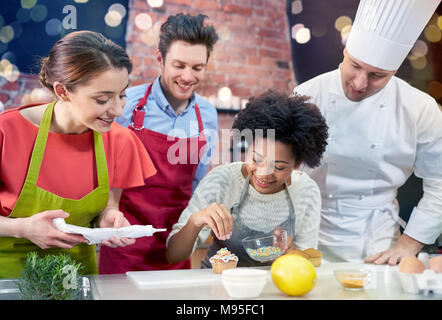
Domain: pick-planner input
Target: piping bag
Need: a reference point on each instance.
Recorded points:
(97, 235)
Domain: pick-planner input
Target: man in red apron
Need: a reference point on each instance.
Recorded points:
(169, 118)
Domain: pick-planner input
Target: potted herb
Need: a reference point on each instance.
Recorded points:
(52, 277)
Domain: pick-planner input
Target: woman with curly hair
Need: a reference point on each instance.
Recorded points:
(266, 193)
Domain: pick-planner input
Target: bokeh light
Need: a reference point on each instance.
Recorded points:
(296, 7)
(149, 37)
(155, 3)
(53, 27)
(319, 29)
(6, 34)
(9, 56)
(11, 72)
(113, 18)
(143, 21)
(439, 22)
(342, 22)
(303, 35)
(81, 1)
(225, 95)
(295, 29)
(419, 63)
(118, 8)
(433, 33)
(39, 13)
(28, 4)
(23, 15)
(419, 49)
(224, 33)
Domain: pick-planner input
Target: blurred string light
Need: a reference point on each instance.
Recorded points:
(53, 27)
(419, 63)
(439, 22)
(419, 49)
(143, 21)
(39, 13)
(151, 36)
(9, 70)
(319, 30)
(23, 15)
(6, 34)
(433, 33)
(297, 7)
(155, 3)
(224, 33)
(342, 22)
(300, 33)
(115, 15)
(28, 4)
(225, 97)
(37, 95)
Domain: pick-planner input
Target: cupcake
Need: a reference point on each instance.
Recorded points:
(222, 260)
(311, 254)
(314, 256)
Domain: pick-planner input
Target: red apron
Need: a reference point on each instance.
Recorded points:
(159, 202)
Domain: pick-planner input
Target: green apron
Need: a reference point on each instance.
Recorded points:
(33, 200)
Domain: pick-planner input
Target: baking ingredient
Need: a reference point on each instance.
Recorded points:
(264, 252)
(436, 264)
(294, 275)
(411, 265)
(351, 281)
(52, 277)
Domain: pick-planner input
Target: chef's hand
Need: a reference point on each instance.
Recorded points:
(282, 240)
(216, 217)
(114, 218)
(40, 229)
(405, 247)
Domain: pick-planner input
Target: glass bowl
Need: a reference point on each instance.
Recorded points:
(265, 248)
(352, 279)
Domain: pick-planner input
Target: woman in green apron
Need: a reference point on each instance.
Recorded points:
(264, 194)
(66, 159)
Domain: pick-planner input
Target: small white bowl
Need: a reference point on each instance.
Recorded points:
(244, 283)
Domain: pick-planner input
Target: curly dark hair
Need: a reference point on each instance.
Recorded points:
(296, 122)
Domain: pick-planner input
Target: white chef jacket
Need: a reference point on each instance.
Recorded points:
(374, 146)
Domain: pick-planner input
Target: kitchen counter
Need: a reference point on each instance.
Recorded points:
(109, 287)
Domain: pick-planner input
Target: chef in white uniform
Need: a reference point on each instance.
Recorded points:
(381, 129)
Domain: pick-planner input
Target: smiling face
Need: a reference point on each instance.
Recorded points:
(182, 71)
(269, 164)
(95, 104)
(361, 80)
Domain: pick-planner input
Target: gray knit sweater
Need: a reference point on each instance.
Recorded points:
(261, 212)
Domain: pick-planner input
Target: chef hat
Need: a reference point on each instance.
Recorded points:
(384, 31)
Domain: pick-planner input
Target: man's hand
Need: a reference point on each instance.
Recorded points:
(405, 247)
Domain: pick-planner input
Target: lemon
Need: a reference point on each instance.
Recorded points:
(293, 274)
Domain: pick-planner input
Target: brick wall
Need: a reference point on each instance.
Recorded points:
(252, 55)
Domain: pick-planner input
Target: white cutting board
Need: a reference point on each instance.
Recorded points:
(173, 278)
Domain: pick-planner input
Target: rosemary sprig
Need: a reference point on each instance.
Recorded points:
(51, 277)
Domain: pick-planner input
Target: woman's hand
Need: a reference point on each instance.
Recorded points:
(282, 240)
(114, 218)
(39, 229)
(216, 217)
(405, 247)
